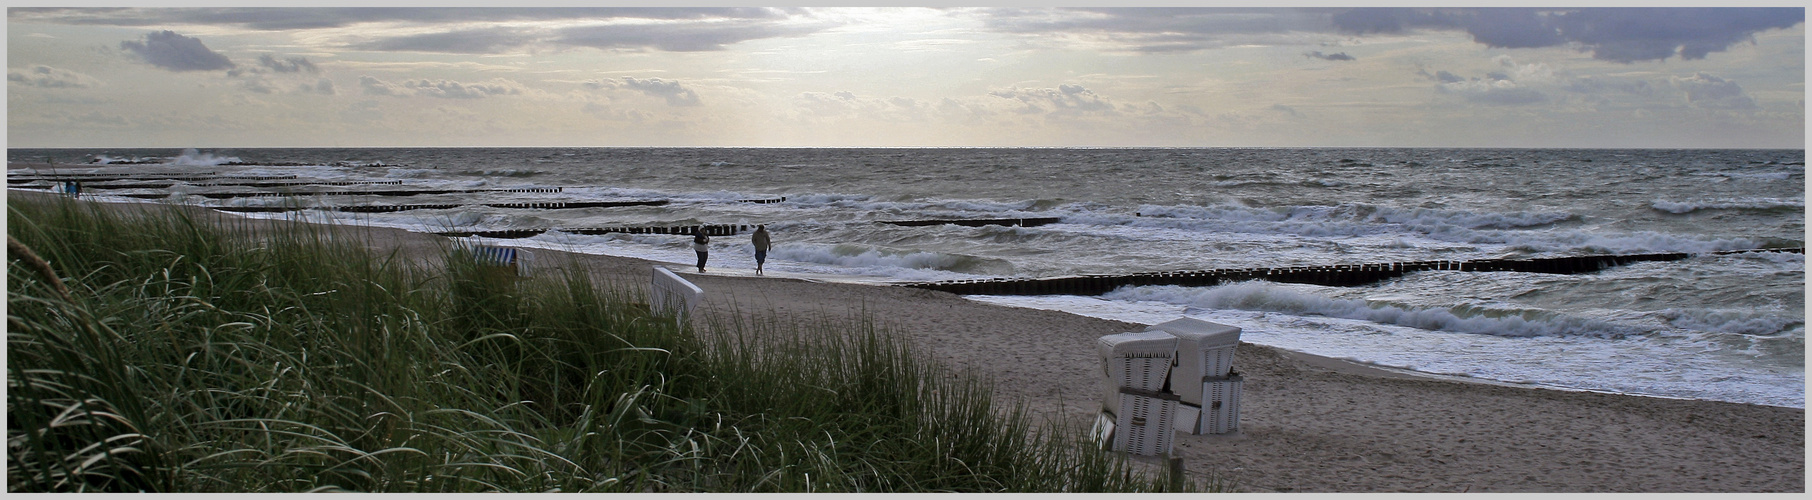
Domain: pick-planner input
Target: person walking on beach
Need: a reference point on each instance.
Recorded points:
(762, 243)
(700, 244)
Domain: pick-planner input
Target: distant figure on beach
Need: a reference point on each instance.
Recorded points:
(762, 243)
(700, 244)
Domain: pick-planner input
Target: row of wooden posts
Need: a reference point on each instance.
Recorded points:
(708, 229)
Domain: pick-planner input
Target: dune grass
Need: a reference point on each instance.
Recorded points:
(159, 352)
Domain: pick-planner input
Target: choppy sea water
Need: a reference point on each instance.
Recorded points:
(1719, 327)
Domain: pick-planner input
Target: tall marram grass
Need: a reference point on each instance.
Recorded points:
(199, 356)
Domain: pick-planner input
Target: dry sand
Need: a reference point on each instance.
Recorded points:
(1307, 423)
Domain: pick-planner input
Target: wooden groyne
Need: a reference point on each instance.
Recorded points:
(140, 177)
(708, 229)
(1340, 275)
(272, 184)
(373, 209)
(1024, 222)
(393, 192)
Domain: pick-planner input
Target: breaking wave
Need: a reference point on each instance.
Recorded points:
(1684, 207)
(1269, 297)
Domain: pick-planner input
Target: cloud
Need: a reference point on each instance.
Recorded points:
(671, 90)
(322, 86)
(1160, 30)
(1623, 35)
(448, 89)
(1066, 99)
(479, 30)
(445, 89)
(48, 77)
(270, 64)
(1707, 91)
(374, 86)
(287, 65)
(168, 50)
(469, 41)
(1612, 34)
(277, 19)
(1513, 86)
(680, 37)
(1329, 57)
(1286, 109)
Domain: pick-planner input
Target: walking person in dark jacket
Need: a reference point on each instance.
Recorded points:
(701, 244)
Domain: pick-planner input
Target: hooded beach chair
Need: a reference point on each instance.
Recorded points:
(1204, 376)
(1137, 414)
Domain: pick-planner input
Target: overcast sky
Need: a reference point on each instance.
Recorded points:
(1371, 77)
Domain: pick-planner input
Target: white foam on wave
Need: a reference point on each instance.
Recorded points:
(1730, 321)
(1359, 213)
(1272, 297)
(1684, 207)
(892, 263)
(192, 158)
(1654, 366)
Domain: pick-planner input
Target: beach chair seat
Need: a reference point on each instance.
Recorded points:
(1219, 413)
(1145, 422)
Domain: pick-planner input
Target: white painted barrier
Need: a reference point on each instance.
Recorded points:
(673, 295)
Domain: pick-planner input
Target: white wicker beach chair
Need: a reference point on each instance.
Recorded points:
(1137, 415)
(1203, 376)
(1204, 350)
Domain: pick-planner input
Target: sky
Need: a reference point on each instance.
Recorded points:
(1589, 77)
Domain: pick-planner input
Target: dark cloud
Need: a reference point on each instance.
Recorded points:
(168, 50)
(671, 90)
(1329, 57)
(48, 77)
(1612, 34)
(1286, 109)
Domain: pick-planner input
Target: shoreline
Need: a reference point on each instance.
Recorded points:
(1308, 422)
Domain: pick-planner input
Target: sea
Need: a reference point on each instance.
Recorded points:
(1717, 326)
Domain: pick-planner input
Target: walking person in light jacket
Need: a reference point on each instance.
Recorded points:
(762, 244)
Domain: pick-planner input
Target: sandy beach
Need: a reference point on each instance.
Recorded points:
(1308, 423)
